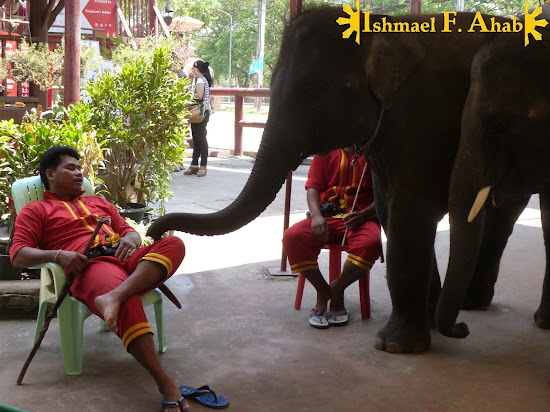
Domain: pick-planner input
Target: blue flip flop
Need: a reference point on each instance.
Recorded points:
(338, 319)
(173, 404)
(205, 396)
(318, 322)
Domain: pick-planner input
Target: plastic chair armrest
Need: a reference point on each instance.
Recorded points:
(57, 272)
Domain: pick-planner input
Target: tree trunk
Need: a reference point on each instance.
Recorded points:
(42, 16)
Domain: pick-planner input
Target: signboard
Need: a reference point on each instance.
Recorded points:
(11, 85)
(97, 15)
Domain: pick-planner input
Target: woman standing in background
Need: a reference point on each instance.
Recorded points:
(203, 82)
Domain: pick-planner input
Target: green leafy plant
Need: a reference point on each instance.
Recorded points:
(21, 146)
(36, 63)
(139, 112)
(148, 46)
(142, 230)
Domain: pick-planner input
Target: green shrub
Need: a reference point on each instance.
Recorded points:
(139, 112)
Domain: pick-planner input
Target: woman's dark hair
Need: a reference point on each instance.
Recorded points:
(203, 68)
(52, 158)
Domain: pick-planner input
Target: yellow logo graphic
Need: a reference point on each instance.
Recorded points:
(531, 24)
(353, 21)
(388, 25)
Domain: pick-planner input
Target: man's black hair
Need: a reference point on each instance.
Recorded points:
(52, 158)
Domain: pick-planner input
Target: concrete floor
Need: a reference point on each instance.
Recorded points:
(239, 333)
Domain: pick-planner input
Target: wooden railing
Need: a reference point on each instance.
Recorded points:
(239, 94)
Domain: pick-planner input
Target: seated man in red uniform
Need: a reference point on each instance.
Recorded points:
(333, 180)
(58, 229)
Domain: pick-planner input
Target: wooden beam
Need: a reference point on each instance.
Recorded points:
(161, 21)
(125, 25)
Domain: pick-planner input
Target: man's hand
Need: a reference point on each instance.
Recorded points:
(320, 228)
(127, 245)
(354, 219)
(73, 261)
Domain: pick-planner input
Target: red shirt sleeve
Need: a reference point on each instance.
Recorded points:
(316, 178)
(32, 221)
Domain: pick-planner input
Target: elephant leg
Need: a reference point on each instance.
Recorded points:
(409, 263)
(542, 315)
(435, 290)
(497, 228)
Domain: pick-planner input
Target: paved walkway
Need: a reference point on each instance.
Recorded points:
(238, 332)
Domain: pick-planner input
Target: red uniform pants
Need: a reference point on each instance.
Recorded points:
(106, 273)
(363, 244)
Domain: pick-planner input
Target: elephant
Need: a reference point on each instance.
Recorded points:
(502, 156)
(399, 96)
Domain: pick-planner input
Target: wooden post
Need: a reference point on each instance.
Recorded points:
(416, 6)
(72, 52)
(295, 9)
(153, 22)
(239, 109)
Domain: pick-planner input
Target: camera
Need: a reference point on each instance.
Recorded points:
(329, 209)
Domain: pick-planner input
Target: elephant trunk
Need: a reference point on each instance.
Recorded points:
(466, 214)
(273, 162)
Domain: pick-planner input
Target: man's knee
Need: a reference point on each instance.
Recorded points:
(291, 238)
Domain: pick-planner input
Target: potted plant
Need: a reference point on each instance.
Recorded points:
(37, 63)
(21, 147)
(140, 112)
(44, 67)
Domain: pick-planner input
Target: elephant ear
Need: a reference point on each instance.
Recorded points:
(389, 63)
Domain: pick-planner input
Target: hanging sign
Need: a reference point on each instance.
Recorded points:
(97, 15)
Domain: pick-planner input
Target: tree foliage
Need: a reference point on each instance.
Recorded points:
(212, 41)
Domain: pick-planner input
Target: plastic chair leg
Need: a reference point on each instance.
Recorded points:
(299, 292)
(161, 335)
(40, 319)
(71, 319)
(103, 326)
(335, 264)
(364, 295)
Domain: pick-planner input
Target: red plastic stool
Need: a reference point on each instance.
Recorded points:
(335, 268)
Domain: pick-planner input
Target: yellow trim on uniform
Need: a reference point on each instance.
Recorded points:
(83, 206)
(303, 266)
(82, 219)
(342, 164)
(163, 260)
(109, 230)
(133, 328)
(70, 209)
(134, 332)
(359, 261)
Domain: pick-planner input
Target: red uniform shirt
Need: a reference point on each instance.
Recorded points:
(57, 223)
(337, 180)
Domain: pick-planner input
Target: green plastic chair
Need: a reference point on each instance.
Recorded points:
(72, 312)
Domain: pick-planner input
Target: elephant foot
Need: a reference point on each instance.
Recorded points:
(403, 335)
(479, 300)
(542, 318)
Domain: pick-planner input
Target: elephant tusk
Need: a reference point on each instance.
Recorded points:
(478, 203)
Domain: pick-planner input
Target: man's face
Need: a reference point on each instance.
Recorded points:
(67, 178)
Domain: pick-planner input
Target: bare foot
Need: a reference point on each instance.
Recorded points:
(336, 299)
(109, 307)
(172, 393)
(321, 306)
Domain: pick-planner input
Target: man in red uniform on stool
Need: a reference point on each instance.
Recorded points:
(58, 229)
(332, 185)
